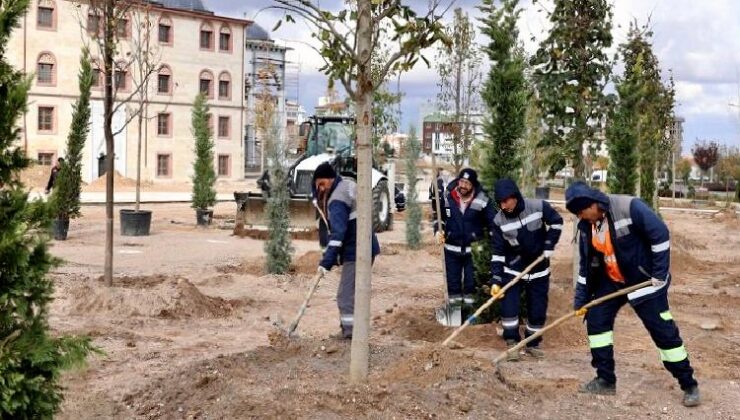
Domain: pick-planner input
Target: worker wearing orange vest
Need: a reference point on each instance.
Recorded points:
(623, 243)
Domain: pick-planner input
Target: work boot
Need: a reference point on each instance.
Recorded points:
(535, 351)
(598, 386)
(514, 355)
(691, 397)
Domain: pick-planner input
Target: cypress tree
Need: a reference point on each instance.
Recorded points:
(204, 177)
(31, 360)
(413, 210)
(65, 200)
(278, 247)
(504, 93)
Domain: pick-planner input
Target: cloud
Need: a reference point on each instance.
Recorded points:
(700, 42)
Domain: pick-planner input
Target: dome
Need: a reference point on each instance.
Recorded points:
(195, 5)
(256, 32)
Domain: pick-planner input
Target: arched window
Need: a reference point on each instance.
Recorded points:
(224, 39)
(206, 83)
(46, 15)
(224, 86)
(206, 36)
(164, 80)
(166, 31)
(46, 69)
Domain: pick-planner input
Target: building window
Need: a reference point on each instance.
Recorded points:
(206, 37)
(93, 23)
(164, 80)
(224, 127)
(165, 31)
(122, 28)
(46, 119)
(164, 124)
(206, 83)
(46, 70)
(46, 15)
(224, 165)
(121, 77)
(97, 81)
(164, 165)
(224, 86)
(224, 39)
(46, 158)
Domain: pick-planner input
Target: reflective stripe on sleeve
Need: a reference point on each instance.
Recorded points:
(661, 247)
(556, 227)
(581, 280)
(498, 258)
(335, 243)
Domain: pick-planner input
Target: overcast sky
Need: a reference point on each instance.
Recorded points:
(699, 41)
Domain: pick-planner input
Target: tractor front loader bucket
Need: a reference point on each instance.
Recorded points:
(251, 217)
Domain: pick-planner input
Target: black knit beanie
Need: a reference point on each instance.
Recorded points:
(324, 171)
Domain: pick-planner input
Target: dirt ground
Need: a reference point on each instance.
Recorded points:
(188, 333)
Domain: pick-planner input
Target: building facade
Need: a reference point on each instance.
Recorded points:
(438, 132)
(193, 51)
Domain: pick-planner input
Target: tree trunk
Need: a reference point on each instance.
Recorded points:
(457, 139)
(138, 156)
(359, 357)
(108, 51)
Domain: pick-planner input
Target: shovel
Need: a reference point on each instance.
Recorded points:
(490, 301)
(302, 310)
(569, 315)
(446, 315)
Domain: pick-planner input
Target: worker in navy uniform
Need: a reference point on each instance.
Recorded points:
(623, 243)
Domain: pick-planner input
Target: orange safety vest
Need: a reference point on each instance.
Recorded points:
(602, 241)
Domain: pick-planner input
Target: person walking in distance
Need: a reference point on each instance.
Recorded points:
(53, 176)
(466, 211)
(623, 243)
(337, 197)
(523, 230)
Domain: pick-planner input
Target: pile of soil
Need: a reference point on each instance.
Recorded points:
(306, 263)
(154, 296)
(118, 181)
(36, 176)
(727, 216)
(308, 380)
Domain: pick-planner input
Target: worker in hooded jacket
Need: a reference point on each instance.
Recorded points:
(467, 215)
(623, 243)
(524, 229)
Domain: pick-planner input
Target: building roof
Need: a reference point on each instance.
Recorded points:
(193, 5)
(256, 32)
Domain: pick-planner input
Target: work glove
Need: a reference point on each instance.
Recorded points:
(581, 312)
(548, 254)
(321, 271)
(495, 290)
(657, 283)
(440, 237)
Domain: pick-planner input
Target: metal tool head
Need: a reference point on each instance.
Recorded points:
(449, 316)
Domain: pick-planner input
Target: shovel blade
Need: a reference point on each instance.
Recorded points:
(449, 316)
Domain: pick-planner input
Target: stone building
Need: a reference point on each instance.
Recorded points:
(195, 50)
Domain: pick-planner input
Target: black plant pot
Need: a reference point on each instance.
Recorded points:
(135, 223)
(59, 228)
(203, 216)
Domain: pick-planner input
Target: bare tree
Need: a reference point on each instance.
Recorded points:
(107, 23)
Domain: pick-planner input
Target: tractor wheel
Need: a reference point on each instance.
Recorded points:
(381, 207)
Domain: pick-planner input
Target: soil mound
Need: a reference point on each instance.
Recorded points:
(306, 263)
(432, 364)
(727, 216)
(118, 180)
(156, 296)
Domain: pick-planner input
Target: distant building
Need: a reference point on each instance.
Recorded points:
(438, 130)
(265, 65)
(198, 52)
